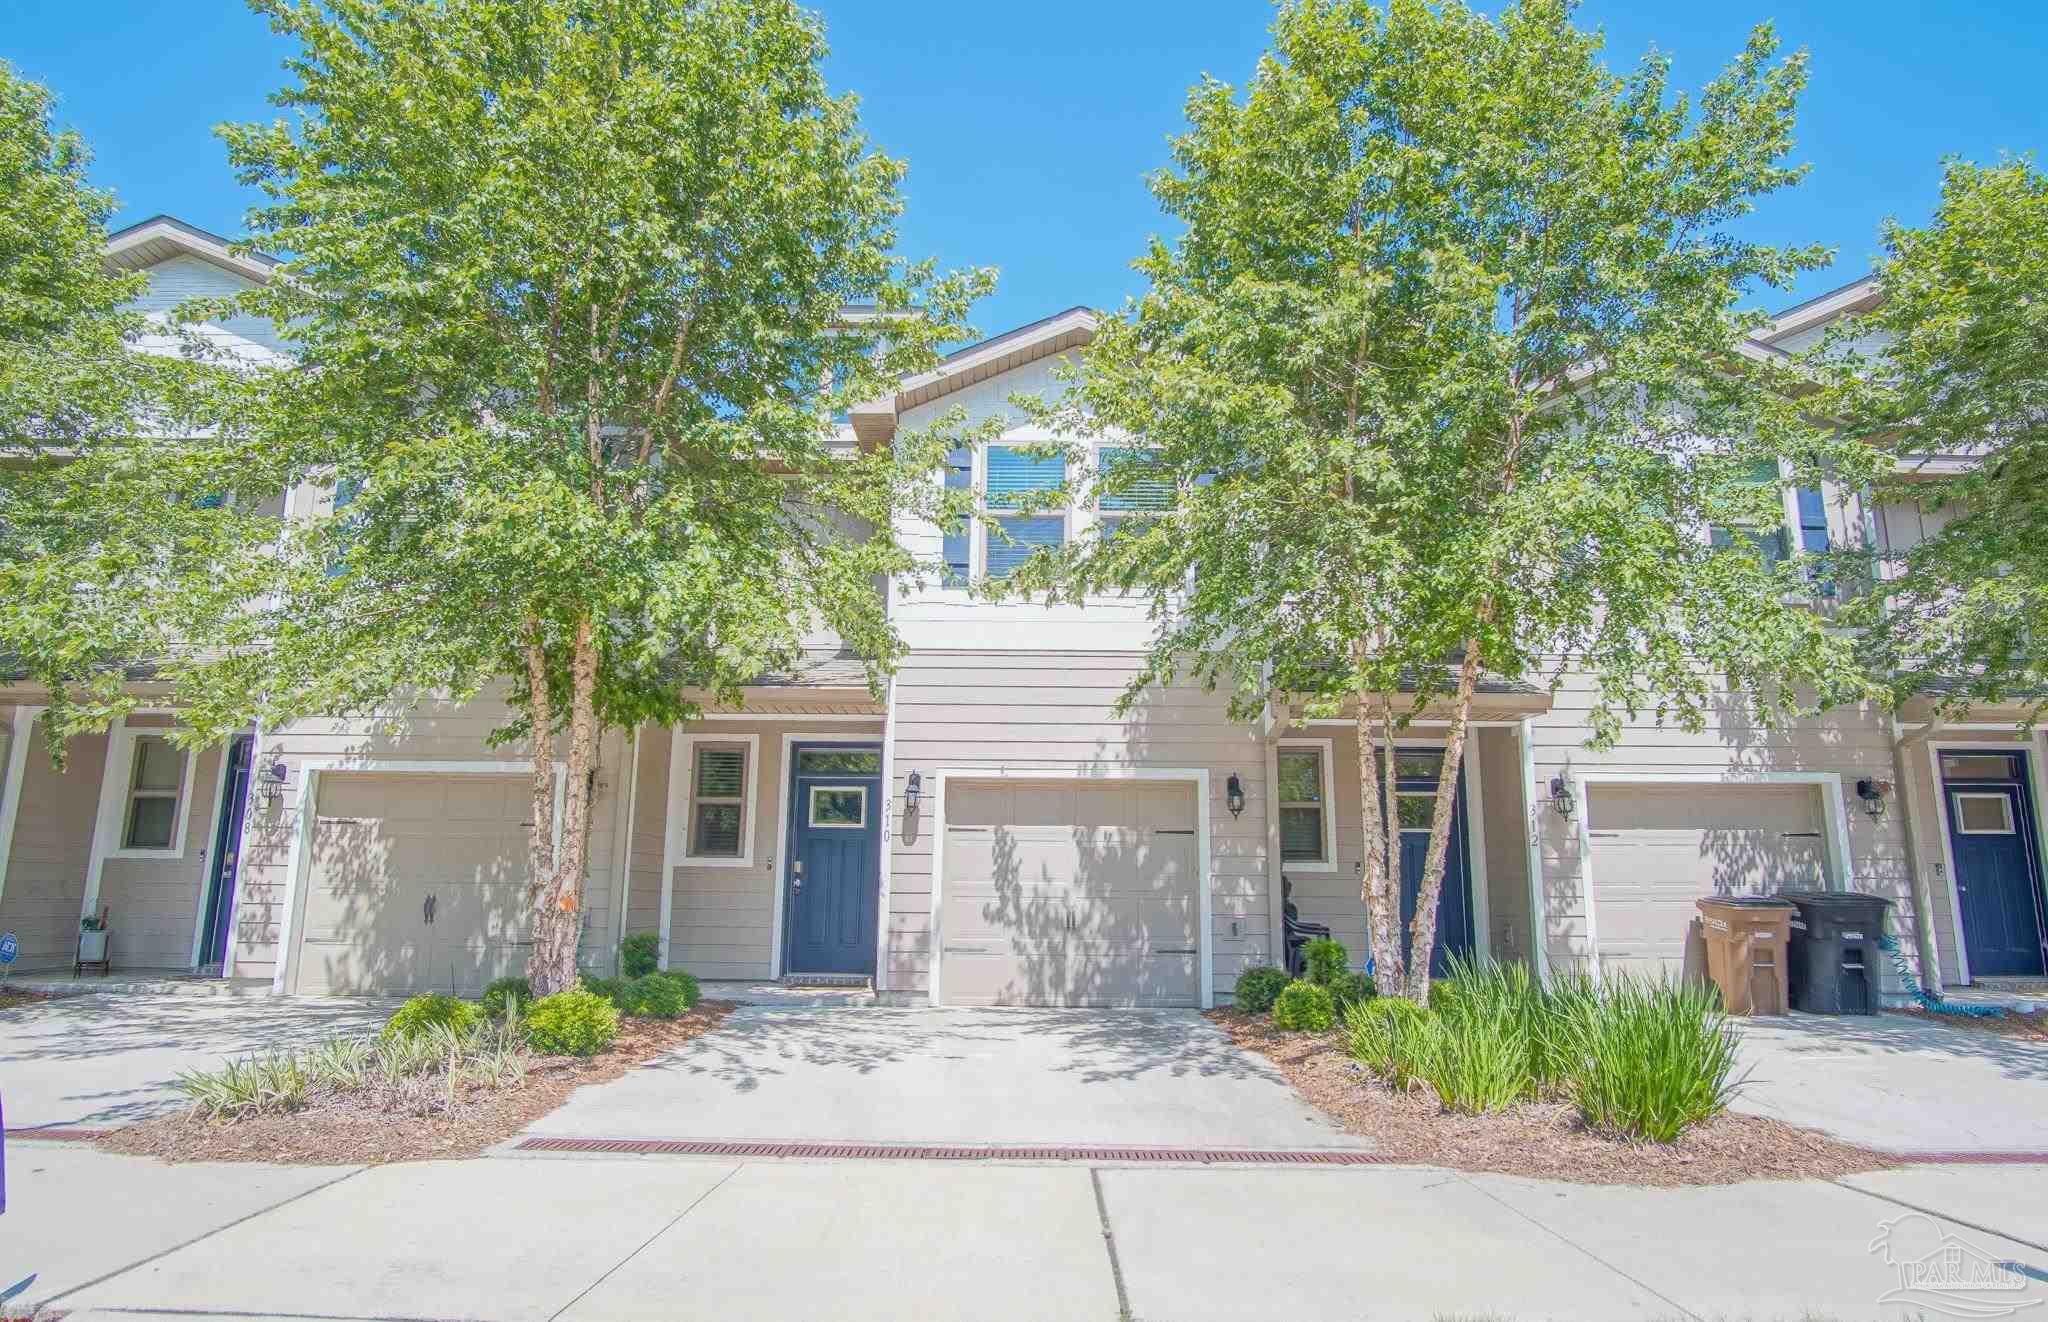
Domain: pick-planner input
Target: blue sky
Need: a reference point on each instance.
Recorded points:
(1028, 131)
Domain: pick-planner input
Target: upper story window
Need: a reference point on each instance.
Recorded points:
(1802, 527)
(959, 542)
(1017, 479)
(1135, 499)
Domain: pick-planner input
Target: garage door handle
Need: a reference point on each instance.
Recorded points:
(427, 910)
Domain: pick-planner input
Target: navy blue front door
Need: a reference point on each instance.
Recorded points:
(1415, 783)
(220, 885)
(1990, 825)
(835, 859)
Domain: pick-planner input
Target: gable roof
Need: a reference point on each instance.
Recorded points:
(875, 421)
(161, 238)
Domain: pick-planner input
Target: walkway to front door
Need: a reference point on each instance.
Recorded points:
(835, 859)
(1150, 1078)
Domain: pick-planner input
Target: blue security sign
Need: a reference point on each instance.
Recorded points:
(9, 947)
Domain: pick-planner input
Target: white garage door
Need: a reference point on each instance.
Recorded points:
(416, 883)
(1655, 851)
(1070, 894)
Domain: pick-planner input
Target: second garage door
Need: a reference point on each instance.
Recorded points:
(416, 883)
(1656, 850)
(1070, 894)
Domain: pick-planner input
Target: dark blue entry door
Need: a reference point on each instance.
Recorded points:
(1415, 800)
(220, 881)
(835, 859)
(1998, 887)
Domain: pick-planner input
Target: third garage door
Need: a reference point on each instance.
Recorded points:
(1656, 850)
(417, 883)
(1070, 894)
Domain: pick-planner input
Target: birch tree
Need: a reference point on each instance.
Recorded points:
(1444, 378)
(577, 287)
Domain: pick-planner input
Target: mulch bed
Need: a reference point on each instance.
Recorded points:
(1540, 1140)
(2026, 1027)
(336, 1132)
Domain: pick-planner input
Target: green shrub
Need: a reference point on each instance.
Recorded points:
(1324, 960)
(1349, 989)
(413, 1018)
(503, 990)
(1654, 1059)
(576, 1022)
(657, 995)
(1257, 989)
(612, 989)
(1303, 1007)
(639, 954)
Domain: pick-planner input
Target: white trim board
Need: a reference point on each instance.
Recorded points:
(1533, 804)
(299, 848)
(1205, 883)
(1833, 812)
(2035, 784)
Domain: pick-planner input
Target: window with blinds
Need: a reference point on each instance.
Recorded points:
(718, 800)
(1016, 479)
(1301, 798)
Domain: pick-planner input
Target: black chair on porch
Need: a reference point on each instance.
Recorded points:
(1298, 933)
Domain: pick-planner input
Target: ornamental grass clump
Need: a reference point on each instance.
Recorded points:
(1653, 1059)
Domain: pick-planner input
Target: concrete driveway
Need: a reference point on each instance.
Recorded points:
(1158, 1078)
(110, 1059)
(1898, 1084)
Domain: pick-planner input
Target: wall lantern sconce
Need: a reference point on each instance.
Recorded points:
(270, 782)
(1561, 798)
(1233, 795)
(1873, 793)
(913, 790)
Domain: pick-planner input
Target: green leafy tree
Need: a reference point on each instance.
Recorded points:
(1953, 365)
(79, 407)
(576, 288)
(1446, 376)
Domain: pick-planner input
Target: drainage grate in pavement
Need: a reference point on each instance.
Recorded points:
(949, 1152)
(1970, 1158)
(57, 1134)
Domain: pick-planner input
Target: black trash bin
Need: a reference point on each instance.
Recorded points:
(1835, 961)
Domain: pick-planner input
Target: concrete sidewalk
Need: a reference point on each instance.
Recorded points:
(589, 1240)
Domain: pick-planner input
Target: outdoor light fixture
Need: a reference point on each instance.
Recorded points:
(270, 781)
(1873, 793)
(1233, 795)
(913, 790)
(1561, 798)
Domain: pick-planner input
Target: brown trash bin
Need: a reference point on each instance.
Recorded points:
(1746, 951)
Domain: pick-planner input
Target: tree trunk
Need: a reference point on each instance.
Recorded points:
(1422, 937)
(1382, 901)
(557, 890)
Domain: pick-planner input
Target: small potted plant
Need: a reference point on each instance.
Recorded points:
(92, 939)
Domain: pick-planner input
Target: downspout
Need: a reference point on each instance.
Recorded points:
(1276, 904)
(622, 852)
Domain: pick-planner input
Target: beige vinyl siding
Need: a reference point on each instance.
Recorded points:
(154, 902)
(1495, 758)
(1050, 712)
(650, 821)
(722, 918)
(1845, 744)
(434, 729)
(52, 847)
